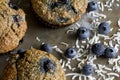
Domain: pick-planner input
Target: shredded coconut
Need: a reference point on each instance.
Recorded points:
(64, 43)
(77, 43)
(38, 39)
(84, 54)
(119, 22)
(57, 49)
(113, 74)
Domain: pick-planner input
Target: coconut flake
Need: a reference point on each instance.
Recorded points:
(57, 49)
(113, 74)
(100, 6)
(110, 78)
(63, 64)
(77, 43)
(38, 39)
(64, 43)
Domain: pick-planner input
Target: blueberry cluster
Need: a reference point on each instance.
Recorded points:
(83, 33)
(87, 69)
(99, 49)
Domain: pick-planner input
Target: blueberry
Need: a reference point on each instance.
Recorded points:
(46, 47)
(104, 28)
(21, 41)
(65, 1)
(74, 10)
(13, 6)
(21, 52)
(110, 52)
(83, 33)
(87, 70)
(63, 20)
(53, 5)
(92, 6)
(98, 49)
(70, 53)
(17, 19)
(47, 65)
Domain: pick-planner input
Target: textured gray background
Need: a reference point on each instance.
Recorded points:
(52, 36)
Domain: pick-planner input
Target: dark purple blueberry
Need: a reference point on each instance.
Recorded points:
(110, 52)
(87, 70)
(74, 10)
(21, 52)
(92, 6)
(104, 28)
(63, 20)
(53, 5)
(17, 19)
(83, 33)
(65, 1)
(47, 65)
(98, 49)
(13, 6)
(21, 41)
(70, 53)
(46, 47)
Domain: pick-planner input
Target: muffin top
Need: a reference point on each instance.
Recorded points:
(12, 26)
(60, 12)
(33, 65)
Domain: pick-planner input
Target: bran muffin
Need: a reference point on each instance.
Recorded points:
(12, 26)
(59, 12)
(33, 65)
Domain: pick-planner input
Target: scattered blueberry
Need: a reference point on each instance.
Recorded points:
(92, 6)
(110, 52)
(87, 70)
(104, 28)
(21, 52)
(47, 65)
(70, 53)
(46, 47)
(98, 49)
(83, 33)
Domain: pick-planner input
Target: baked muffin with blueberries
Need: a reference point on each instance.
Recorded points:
(59, 12)
(33, 65)
(12, 26)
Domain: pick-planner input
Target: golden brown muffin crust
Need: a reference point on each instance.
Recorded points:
(12, 26)
(58, 13)
(28, 67)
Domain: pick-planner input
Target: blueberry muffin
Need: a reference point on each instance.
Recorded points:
(59, 12)
(12, 26)
(33, 65)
